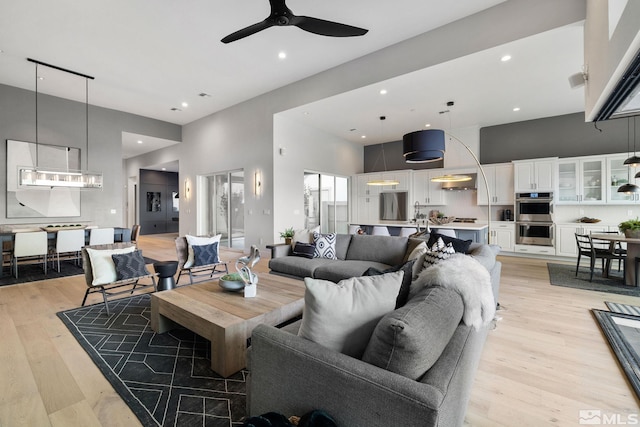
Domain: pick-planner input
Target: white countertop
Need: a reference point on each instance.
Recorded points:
(452, 225)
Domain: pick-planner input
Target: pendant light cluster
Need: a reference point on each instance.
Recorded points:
(64, 177)
(632, 161)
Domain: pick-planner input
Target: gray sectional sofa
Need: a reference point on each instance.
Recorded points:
(292, 375)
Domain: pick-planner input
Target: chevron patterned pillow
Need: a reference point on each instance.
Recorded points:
(439, 252)
(129, 266)
(205, 254)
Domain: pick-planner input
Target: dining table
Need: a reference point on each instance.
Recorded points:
(120, 234)
(633, 252)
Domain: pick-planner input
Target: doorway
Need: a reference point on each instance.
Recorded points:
(326, 202)
(225, 212)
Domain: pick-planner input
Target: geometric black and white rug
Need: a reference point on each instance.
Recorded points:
(166, 379)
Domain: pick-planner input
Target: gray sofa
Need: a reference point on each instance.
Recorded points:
(292, 375)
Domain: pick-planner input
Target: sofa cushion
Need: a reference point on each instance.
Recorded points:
(325, 245)
(298, 266)
(388, 250)
(341, 316)
(340, 270)
(407, 268)
(342, 245)
(485, 254)
(205, 254)
(417, 255)
(409, 340)
(304, 235)
(129, 265)
(102, 265)
(459, 245)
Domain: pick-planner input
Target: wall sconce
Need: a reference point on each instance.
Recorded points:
(187, 190)
(258, 184)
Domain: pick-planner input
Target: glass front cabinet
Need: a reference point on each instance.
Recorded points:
(581, 181)
(618, 174)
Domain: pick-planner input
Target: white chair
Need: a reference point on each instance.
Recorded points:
(353, 229)
(407, 231)
(101, 236)
(30, 245)
(379, 230)
(445, 232)
(69, 243)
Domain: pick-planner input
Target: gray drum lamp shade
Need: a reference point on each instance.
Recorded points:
(423, 146)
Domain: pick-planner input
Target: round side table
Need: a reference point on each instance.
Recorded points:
(166, 270)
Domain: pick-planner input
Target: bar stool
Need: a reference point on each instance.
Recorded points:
(380, 230)
(353, 229)
(407, 231)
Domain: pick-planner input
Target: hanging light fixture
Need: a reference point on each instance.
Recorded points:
(634, 160)
(382, 182)
(48, 177)
(629, 188)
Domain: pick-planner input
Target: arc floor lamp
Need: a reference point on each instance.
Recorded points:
(428, 145)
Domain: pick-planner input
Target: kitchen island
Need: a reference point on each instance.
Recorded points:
(476, 231)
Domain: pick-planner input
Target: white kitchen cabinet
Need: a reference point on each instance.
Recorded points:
(503, 234)
(368, 210)
(500, 180)
(403, 178)
(534, 175)
(426, 192)
(566, 240)
(617, 174)
(363, 189)
(581, 181)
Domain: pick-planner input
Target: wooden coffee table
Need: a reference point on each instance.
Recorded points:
(227, 318)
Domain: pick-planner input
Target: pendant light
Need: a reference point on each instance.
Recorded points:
(629, 188)
(633, 161)
(382, 182)
(63, 177)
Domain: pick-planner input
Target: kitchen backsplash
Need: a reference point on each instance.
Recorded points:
(609, 214)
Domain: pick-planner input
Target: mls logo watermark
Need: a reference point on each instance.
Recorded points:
(598, 418)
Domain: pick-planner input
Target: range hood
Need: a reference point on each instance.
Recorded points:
(462, 185)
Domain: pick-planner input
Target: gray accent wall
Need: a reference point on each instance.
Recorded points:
(62, 122)
(393, 154)
(561, 136)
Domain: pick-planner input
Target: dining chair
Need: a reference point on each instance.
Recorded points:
(69, 244)
(135, 232)
(595, 249)
(407, 231)
(101, 236)
(30, 245)
(619, 248)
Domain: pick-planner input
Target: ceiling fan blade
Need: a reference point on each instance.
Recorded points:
(327, 28)
(245, 32)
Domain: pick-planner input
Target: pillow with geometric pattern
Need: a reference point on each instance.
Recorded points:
(205, 254)
(325, 245)
(439, 252)
(129, 266)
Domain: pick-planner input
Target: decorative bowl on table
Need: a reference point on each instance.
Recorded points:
(588, 220)
(441, 220)
(232, 282)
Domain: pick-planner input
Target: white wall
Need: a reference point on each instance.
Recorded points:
(458, 156)
(306, 149)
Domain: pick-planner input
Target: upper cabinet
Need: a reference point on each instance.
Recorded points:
(500, 180)
(534, 175)
(581, 180)
(617, 174)
(426, 192)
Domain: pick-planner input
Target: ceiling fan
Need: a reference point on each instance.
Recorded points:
(282, 16)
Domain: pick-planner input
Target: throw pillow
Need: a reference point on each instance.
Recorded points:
(410, 340)
(418, 255)
(129, 265)
(325, 245)
(305, 235)
(439, 252)
(195, 240)
(342, 316)
(459, 245)
(407, 268)
(305, 250)
(205, 254)
(102, 265)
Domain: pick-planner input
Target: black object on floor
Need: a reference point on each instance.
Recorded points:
(565, 275)
(166, 270)
(166, 379)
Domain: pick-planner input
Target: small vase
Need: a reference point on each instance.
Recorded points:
(632, 234)
(287, 240)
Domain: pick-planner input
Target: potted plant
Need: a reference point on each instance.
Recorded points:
(630, 228)
(287, 235)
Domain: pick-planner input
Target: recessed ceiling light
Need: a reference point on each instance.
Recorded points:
(185, 105)
(364, 137)
(505, 58)
(428, 125)
(306, 113)
(383, 92)
(282, 55)
(516, 109)
(139, 142)
(40, 78)
(164, 169)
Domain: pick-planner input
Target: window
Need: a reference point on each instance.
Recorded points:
(326, 202)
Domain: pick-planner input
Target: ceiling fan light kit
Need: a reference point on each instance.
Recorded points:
(282, 16)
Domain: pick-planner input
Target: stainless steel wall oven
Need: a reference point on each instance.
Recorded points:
(534, 219)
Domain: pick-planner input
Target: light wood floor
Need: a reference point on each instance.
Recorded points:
(546, 361)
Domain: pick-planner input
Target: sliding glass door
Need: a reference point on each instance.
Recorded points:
(225, 202)
(326, 202)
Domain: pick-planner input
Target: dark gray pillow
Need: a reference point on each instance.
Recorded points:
(205, 254)
(409, 340)
(129, 265)
(407, 267)
(305, 250)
